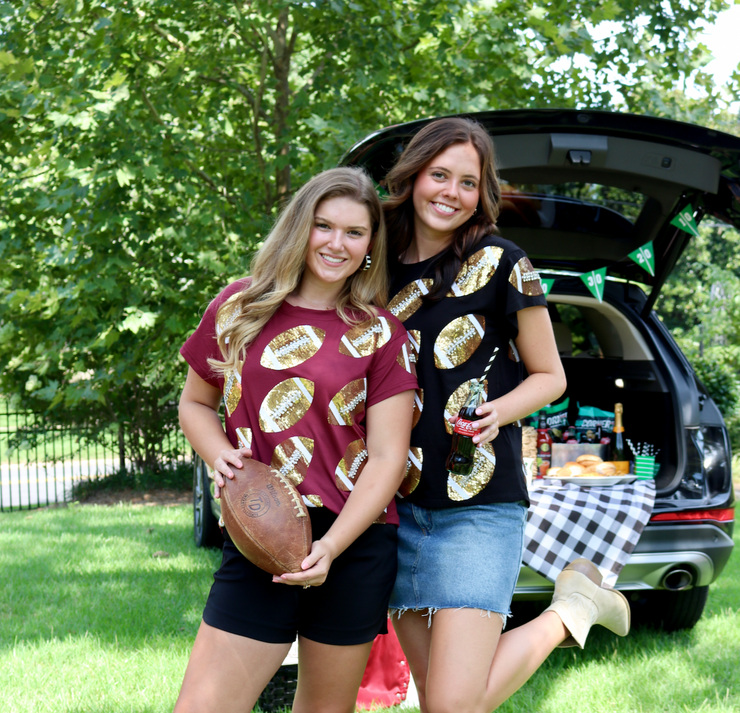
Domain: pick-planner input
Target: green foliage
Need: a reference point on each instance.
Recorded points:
(700, 304)
(146, 145)
(720, 380)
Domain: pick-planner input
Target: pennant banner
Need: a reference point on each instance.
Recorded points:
(645, 258)
(595, 282)
(685, 221)
(547, 284)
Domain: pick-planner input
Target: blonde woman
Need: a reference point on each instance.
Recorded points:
(315, 380)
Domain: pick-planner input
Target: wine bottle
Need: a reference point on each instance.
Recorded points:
(618, 456)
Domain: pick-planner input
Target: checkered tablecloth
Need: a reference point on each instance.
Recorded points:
(566, 521)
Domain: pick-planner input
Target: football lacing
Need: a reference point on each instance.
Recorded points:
(367, 334)
(460, 340)
(294, 495)
(356, 464)
(291, 346)
(347, 408)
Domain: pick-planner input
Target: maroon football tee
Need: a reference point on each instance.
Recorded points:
(302, 395)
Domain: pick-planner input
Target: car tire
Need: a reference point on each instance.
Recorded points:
(206, 531)
(671, 611)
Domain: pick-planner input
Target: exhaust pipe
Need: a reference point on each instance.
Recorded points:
(677, 579)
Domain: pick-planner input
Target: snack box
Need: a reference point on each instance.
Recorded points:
(562, 453)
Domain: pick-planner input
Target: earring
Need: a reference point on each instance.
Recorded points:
(368, 262)
(475, 212)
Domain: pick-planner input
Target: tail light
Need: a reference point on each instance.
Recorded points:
(719, 515)
(707, 471)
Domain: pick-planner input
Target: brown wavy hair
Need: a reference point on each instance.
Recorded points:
(278, 266)
(429, 142)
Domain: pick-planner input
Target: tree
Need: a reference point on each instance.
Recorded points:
(147, 145)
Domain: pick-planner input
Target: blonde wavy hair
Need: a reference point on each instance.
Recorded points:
(278, 266)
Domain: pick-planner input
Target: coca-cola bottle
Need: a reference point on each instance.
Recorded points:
(462, 453)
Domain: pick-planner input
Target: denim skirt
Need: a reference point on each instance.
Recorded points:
(458, 557)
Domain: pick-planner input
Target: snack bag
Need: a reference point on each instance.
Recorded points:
(556, 416)
(592, 422)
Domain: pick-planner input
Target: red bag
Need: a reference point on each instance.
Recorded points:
(386, 679)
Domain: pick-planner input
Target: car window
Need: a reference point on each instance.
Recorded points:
(583, 340)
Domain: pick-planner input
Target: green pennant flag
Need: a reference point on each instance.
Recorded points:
(685, 221)
(547, 284)
(595, 281)
(645, 258)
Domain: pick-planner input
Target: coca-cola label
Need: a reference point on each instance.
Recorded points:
(464, 427)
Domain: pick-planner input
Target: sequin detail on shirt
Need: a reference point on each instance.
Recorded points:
(456, 401)
(408, 300)
(464, 487)
(292, 458)
(286, 404)
(476, 272)
(413, 472)
(348, 404)
(233, 389)
(526, 279)
(458, 341)
(365, 339)
(227, 313)
(244, 435)
(351, 465)
(292, 347)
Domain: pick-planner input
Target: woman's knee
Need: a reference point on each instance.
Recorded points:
(454, 701)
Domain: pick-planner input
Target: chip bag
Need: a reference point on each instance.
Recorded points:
(556, 416)
(592, 423)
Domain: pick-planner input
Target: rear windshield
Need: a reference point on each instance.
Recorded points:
(575, 207)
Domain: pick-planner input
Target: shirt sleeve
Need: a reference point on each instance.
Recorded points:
(393, 366)
(202, 344)
(523, 288)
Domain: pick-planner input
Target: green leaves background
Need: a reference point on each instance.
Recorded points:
(146, 145)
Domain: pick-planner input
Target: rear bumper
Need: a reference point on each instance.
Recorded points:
(702, 549)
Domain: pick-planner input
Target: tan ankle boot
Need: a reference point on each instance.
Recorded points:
(580, 601)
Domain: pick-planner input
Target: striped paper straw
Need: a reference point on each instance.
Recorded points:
(488, 366)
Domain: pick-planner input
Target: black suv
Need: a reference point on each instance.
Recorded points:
(581, 191)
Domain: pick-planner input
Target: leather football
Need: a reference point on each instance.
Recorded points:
(266, 518)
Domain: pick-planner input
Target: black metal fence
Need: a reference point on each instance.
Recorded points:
(40, 464)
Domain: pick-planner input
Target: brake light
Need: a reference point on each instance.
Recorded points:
(721, 515)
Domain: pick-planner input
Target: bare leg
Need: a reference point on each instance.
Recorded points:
(226, 673)
(470, 666)
(520, 653)
(329, 677)
(415, 637)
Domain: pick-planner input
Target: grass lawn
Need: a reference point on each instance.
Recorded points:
(92, 622)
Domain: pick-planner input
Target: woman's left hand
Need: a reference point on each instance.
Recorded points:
(487, 425)
(315, 567)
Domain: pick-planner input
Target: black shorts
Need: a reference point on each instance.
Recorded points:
(349, 608)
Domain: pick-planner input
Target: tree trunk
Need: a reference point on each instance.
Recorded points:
(282, 52)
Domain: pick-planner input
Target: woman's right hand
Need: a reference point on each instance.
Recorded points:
(222, 467)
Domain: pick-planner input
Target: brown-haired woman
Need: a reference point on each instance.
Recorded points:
(465, 294)
(315, 381)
